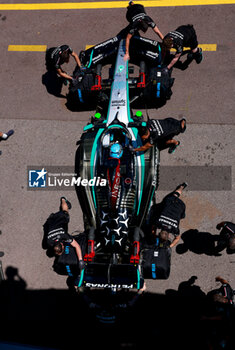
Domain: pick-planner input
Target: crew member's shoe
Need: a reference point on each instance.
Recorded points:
(183, 125)
(7, 135)
(198, 55)
(173, 148)
(67, 202)
(184, 185)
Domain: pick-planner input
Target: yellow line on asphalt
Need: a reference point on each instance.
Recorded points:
(109, 4)
(42, 48)
(208, 47)
(205, 47)
(37, 48)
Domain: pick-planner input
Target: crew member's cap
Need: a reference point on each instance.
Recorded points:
(142, 25)
(167, 228)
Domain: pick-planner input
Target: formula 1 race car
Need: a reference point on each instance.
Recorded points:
(122, 185)
(151, 88)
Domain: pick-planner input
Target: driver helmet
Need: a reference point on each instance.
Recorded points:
(116, 151)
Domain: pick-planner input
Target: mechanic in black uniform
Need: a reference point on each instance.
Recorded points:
(160, 132)
(227, 237)
(183, 36)
(225, 293)
(56, 56)
(218, 317)
(56, 235)
(138, 20)
(168, 220)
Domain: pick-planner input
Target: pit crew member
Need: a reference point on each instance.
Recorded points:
(56, 235)
(168, 220)
(160, 132)
(57, 56)
(226, 237)
(183, 36)
(225, 294)
(138, 20)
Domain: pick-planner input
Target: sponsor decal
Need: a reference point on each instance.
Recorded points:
(151, 54)
(118, 103)
(97, 58)
(110, 41)
(106, 285)
(120, 68)
(128, 181)
(153, 42)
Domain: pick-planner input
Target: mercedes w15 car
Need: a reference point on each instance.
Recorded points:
(150, 88)
(116, 204)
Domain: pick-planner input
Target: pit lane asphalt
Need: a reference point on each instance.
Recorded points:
(46, 132)
(203, 93)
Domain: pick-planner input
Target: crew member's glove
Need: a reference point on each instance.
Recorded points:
(81, 265)
(165, 70)
(169, 251)
(83, 69)
(74, 82)
(131, 148)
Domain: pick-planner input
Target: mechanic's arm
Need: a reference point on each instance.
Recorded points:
(173, 62)
(78, 249)
(158, 32)
(64, 74)
(143, 148)
(175, 241)
(221, 280)
(128, 38)
(220, 225)
(75, 56)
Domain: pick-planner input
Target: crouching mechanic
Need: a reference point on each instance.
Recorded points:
(56, 235)
(226, 237)
(224, 294)
(161, 132)
(56, 56)
(168, 220)
(183, 36)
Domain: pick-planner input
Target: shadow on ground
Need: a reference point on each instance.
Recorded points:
(53, 84)
(198, 242)
(64, 320)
